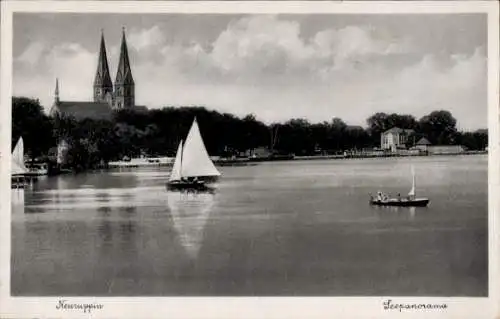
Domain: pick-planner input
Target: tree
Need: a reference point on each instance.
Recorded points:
(439, 127)
(476, 141)
(30, 123)
(296, 137)
(381, 122)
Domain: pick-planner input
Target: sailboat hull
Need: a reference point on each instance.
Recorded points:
(418, 202)
(188, 186)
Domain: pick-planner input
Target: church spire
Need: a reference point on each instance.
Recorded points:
(102, 81)
(56, 92)
(124, 83)
(124, 73)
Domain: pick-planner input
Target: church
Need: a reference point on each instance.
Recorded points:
(107, 97)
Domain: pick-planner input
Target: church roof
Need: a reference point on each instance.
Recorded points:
(81, 110)
(124, 73)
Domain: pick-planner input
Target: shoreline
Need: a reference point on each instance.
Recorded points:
(255, 161)
(246, 161)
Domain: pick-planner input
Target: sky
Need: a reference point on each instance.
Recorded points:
(277, 67)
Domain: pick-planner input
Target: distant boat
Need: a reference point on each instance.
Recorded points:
(18, 169)
(38, 169)
(193, 168)
(410, 201)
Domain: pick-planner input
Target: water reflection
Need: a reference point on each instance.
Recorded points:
(104, 207)
(17, 200)
(190, 211)
(397, 213)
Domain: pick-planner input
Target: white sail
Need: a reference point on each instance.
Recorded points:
(175, 175)
(412, 191)
(17, 166)
(195, 159)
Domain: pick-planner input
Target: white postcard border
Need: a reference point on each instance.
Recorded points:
(254, 307)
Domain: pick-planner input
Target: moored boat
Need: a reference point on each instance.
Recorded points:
(193, 169)
(38, 169)
(410, 201)
(18, 169)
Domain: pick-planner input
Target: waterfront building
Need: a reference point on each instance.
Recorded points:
(395, 138)
(445, 149)
(422, 144)
(106, 96)
(62, 152)
(259, 152)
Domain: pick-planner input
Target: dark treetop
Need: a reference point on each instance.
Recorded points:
(158, 132)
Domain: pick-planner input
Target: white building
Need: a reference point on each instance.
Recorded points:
(395, 138)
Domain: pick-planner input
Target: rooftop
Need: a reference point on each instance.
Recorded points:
(423, 141)
(80, 110)
(399, 130)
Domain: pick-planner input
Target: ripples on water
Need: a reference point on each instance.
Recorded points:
(289, 228)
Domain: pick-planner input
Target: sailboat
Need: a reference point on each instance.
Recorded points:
(410, 201)
(18, 169)
(193, 168)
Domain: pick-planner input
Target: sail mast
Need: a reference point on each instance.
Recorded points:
(414, 182)
(413, 187)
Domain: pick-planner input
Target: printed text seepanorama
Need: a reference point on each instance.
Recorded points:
(389, 305)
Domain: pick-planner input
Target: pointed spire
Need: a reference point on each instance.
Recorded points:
(124, 73)
(102, 77)
(56, 92)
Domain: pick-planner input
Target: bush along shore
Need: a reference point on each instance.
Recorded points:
(92, 143)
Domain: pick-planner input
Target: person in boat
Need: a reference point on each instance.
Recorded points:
(379, 196)
(382, 196)
(399, 196)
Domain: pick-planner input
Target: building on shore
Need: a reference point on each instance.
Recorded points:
(395, 138)
(259, 152)
(398, 141)
(107, 97)
(445, 149)
(423, 144)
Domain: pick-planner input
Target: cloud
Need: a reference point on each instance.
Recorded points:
(265, 65)
(32, 54)
(69, 62)
(145, 39)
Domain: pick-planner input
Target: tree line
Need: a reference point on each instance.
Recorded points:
(159, 131)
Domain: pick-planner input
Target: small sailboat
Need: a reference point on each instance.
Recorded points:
(18, 169)
(193, 169)
(410, 201)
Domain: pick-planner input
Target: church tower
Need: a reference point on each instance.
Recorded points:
(103, 87)
(124, 83)
(56, 92)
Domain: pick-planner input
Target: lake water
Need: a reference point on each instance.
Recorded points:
(295, 228)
